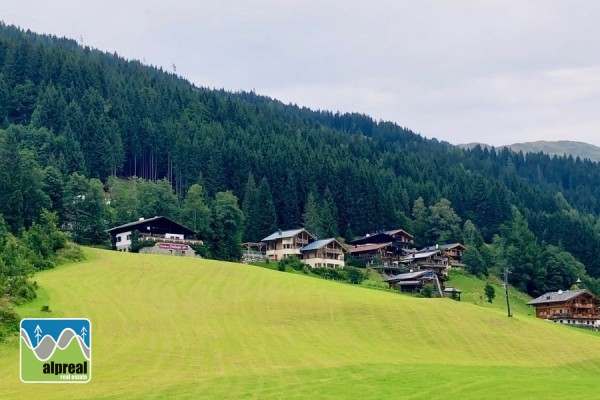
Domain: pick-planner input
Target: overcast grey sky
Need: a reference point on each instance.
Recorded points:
(497, 72)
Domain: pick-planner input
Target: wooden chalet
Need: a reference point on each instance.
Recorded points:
(427, 260)
(373, 252)
(382, 247)
(571, 307)
(324, 253)
(282, 244)
(453, 251)
(413, 282)
(169, 236)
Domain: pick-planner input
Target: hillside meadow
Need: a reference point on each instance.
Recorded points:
(169, 327)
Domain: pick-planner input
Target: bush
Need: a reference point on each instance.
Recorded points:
(354, 262)
(330, 273)
(427, 290)
(292, 262)
(281, 266)
(490, 292)
(20, 290)
(202, 250)
(136, 245)
(9, 319)
(45, 308)
(71, 252)
(354, 276)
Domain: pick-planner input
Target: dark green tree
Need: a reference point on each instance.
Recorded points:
(312, 217)
(252, 210)
(267, 215)
(195, 213)
(490, 292)
(474, 262)
(329, 215)
(227, 227)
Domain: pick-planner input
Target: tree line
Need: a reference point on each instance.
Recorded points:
(72, 118)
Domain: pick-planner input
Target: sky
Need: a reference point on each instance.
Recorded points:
(496, 72)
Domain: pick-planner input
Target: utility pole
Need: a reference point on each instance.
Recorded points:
(506, 289)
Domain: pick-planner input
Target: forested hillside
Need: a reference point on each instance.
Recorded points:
(71, 117)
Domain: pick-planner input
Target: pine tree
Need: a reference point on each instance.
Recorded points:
(195, 213)
(268, 215)
(329, 215)
(251, 207)
(312, 217)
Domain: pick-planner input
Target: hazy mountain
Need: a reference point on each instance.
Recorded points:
(558, 148)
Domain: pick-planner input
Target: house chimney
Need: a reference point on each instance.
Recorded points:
(279, 232)
(141, 219)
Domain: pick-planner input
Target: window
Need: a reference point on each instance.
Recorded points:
(128, 237)
(118, 239)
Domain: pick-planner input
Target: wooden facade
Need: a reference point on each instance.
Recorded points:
(326, 253)
(576, 307)
(156, 229)
(381, 247)
(282, 244)
(430, 260)
(453, 251)
(374, 253)
(413, 282)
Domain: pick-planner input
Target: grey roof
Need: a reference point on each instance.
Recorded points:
(449, 289)
(283, 234)
(408, 275)
(441, 247)
(557, 297)
(419, 255)
(123, 228)
(140, 222)
(317, 244)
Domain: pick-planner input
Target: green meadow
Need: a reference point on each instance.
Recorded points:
(169, 327)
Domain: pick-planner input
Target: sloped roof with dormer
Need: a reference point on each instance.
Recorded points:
(155, 223)
(558, 297)
(318, 244)
(448, 246)
(409, 275)
(367, 247)
(284, 234)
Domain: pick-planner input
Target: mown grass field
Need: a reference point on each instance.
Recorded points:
(169, 327)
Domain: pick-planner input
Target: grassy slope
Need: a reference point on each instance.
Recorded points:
(168, 327)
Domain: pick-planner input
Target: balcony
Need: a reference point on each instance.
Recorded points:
(583, 305)
(162, 239)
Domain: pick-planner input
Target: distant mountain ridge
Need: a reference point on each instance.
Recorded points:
(558, 148)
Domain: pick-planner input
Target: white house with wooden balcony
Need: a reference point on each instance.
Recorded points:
(168, 236)
(325, 253)
(282, 244)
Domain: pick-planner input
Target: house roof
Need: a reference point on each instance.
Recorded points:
(419, 255)
(449, 289)
(379, 237)
(367, 247)
(284, 234)
(396, 231)
(163, 222)
(408, 276)
(448, 246)
(318, 244)
(557, 297)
